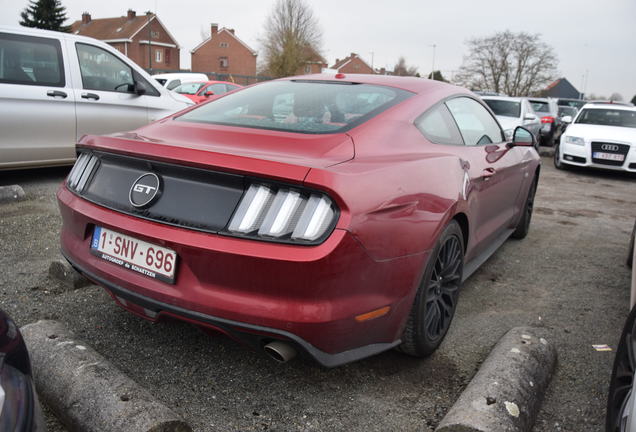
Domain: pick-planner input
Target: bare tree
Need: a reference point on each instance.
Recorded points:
(517, 64)
(616, 97)
(204, 32)
(292, 36)
(402, 69)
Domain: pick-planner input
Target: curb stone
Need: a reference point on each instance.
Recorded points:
(505, 395)
(87, 392)
(11, 193)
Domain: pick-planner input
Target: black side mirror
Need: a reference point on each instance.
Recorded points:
(140, 88)
(522, 138)
(208, 93)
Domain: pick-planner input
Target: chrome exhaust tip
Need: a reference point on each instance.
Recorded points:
(280, 351)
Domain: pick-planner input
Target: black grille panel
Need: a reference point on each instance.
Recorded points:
(190, 197)
(621, 149)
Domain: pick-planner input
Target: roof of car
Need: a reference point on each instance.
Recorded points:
(413, 84)
(606, 105)
(508, 98)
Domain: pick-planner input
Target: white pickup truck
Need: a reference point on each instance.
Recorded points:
(56, 87)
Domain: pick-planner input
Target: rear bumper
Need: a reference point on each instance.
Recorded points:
(255, 291)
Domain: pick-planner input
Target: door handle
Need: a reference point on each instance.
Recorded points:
(55, 93)
(487, 173)
(90, 96)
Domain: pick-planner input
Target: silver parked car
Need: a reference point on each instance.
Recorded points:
(512, 112)
(56, 87)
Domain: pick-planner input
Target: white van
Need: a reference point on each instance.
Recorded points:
(173, 80)
(56, 87)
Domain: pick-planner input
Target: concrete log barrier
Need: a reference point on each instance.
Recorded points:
(11, 193)
(86, 392)
(506, 393)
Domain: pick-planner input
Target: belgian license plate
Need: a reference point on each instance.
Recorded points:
(609, 156)
(133, 254)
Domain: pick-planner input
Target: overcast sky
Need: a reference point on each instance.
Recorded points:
(596, 38)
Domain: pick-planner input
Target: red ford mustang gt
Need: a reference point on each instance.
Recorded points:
(331, 216)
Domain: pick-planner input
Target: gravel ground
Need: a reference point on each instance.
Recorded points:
(568, 275)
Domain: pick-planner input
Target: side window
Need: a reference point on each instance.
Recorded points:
(438, 126)
(101, 70)
(217, 89)
(475, 123)
(231, 87)
(173, 84)
(31, 60)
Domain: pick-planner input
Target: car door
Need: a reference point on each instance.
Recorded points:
(495, 171)
(104, 91)
(37, 102)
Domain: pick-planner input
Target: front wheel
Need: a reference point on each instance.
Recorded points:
(524, 223)
(558, 164)
(437, 295)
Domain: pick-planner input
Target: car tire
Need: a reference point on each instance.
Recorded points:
(558, 164)
(436, 298)
(630, 253)
(622, 381)
(524, 223)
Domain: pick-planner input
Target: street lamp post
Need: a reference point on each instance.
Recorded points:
(432, 76)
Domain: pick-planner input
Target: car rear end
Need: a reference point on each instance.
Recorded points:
(548, 113)
(218, 226)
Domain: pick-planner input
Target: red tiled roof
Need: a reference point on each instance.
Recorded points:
(111, 28)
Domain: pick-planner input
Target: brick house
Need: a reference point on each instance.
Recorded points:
(314, 64)
(224, 53)
(144, 39)
(352, 65)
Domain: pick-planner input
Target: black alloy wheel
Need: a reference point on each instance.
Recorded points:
(443, 288)
(437, 296)
(621, 401)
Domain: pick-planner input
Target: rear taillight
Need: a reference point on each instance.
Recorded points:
(281, 213)
(547, 119)
(81, 172)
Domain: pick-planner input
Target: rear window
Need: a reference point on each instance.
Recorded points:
(540, 106)
(504, 108)
(299, 106)
(607, 117)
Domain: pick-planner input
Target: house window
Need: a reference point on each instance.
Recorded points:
(154, 34)
(158, 55)
(223, 62)
(224, 45)
(307, 68)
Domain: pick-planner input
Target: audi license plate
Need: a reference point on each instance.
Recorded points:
(609, 156)
(133, 254)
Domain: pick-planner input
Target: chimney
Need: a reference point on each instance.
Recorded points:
(131, 14)
(214, 27)
(86, 18)
(353, 55)
(231, 31)
(148, 14)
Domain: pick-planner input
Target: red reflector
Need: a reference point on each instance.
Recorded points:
(340, 75)
(547, 119)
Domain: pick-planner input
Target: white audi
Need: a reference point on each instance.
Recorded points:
(602, 135)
